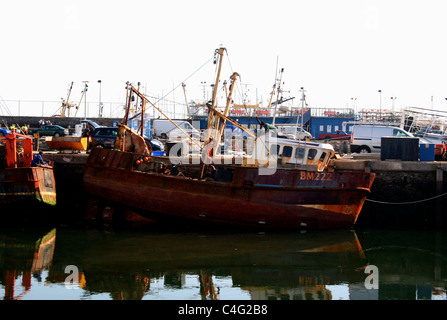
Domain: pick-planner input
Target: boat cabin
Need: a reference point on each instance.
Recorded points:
(16, 150)
(295, 152)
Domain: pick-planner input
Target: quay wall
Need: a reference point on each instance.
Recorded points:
(404, 193)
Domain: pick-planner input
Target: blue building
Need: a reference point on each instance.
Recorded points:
(315, 121)
(327, 125)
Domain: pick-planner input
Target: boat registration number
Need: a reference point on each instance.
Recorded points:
(318, 176)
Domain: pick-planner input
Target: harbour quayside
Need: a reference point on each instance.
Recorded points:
(278, 184)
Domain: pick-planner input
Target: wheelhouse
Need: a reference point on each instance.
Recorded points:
(295, 152)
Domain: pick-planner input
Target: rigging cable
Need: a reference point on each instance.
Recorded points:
(164, 96)
(240, 91)
(408, 202)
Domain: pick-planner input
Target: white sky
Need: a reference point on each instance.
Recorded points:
(335, 49)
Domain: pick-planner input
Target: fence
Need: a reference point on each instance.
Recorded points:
(45, 109)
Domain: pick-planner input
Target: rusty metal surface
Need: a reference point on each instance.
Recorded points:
(27, 185)
(287, 199)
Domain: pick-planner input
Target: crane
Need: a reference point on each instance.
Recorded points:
(82, 96)
(65, 104)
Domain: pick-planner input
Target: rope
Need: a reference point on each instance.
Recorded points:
(408, 202)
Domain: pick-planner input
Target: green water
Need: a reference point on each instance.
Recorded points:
(99, 263)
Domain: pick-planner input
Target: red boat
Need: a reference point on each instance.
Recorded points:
(279, 184)
(21, 184)
(287, 199)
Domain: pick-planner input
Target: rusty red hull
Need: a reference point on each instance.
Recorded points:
(287, 199)
(27, 186)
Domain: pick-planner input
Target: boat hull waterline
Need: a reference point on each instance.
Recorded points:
(287, 199)
(27, 185)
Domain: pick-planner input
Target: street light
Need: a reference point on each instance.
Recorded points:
(85, 98)
(353, 101)
(100, 103)
(393, 99)
(380, 103)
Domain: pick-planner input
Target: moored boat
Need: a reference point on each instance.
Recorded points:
(281, 184)
(20, 183)
(288, 199)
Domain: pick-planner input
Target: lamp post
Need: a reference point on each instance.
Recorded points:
(392, 104)
(353, 102)
(380, 104)
(100, 103)
(85, 98)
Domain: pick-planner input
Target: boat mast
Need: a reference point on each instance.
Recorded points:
(82, 96)
(128, 101)
(274, 84)
(220, 129)
(186, 100)
(277, 95)
(211, 114)
(65, 104)
(303, 97)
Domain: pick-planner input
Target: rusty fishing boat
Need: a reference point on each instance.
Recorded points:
(20, 183)
(281, 184)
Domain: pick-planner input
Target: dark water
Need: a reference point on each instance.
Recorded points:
(101, 263)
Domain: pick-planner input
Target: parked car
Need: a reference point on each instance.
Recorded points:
(338, 135)
(93, 124)
(50, 130)
(104, 137)
(441, 151)
(433, 137)
(440, 147)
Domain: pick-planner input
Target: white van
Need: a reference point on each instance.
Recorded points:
(165, 129)
(293, 132)
(368, 138)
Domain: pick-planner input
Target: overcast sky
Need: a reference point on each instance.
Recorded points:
(336, 50)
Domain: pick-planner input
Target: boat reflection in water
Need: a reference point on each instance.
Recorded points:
(157, 265)
(23, 255)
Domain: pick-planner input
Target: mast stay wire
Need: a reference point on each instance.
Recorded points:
(173, 89)
(240, 91)
(266, 147)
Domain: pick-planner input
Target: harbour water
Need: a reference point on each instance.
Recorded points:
(79, 262)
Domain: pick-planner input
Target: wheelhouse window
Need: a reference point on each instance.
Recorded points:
(312, 153)
(274, 150)
(323, 156)
(299, 153)
(287, 151)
